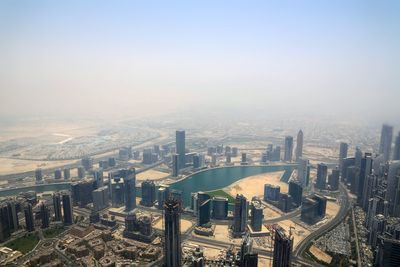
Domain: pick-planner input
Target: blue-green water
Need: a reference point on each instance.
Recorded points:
(218, 178)
(207, 180)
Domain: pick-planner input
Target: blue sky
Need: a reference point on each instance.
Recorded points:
(76, 57)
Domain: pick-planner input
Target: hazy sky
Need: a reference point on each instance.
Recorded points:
(133, 57)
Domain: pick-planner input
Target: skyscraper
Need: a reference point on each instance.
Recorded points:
(288, 148)
(299, 145)
(175, 165)
(38, 175)
(29, 219)
(256, 216)
(5, 231)
(386, 141)
(396, 153)
(322, 172)
(303, 172)
(220, 208)
(172, 233)
(148, 193)
(240, 215)
(57, 206)
(333, 180)
(344, 147)
(204, 212)
(180, 149)
(283, 246)
(44, 215)
(393, 184)
(247, 257)
(67, 208)
(296, 191)
(129, 176)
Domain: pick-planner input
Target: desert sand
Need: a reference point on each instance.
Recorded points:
(254, 185)
(151, 175)
(185, 225)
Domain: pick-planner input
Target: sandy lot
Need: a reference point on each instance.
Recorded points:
(254, 185)
(10, 166)
(270, 213)
(299, 232)
(185, 225)
(332, 208)
(221, 233)
(321, 255)
(151, 175)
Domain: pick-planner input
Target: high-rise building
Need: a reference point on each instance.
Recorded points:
(313, 209)
(299, 145)
(365, 171)
(38, 175)
(220, 208)
(303, 171)
(396, 153)
(57, 174)
(240, 215)
(148, 193)
(247, 257)
(44, 215)
(388, 252)
(67, 208)
(29, 219)
(204, 212)
(296, 191)
(175, 165)
(288, 148)
(100, 198)
(57, 206)
(5, 220)
(386, 141)
(81, 172)
(344, 147)
(162, 195)
(67, 174)
(271, 192)
(333, 180)
(172, 233)
(13, 214)
(180, 149)
(244, 158)
(285, 202)
(129, 176)
(283, 246)
(98, 178)
(322, 172)
(82, 192)
(393, 184)
(256, 216)
(87, 163)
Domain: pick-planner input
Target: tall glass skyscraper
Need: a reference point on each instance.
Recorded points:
(172, 234)
(180, 148)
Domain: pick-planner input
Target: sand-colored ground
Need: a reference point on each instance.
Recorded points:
(298, 232)
(254, 185)
(320, 255)
(332, 208)
(270, 213)
(10, 166)
(151, 175)
(185, 225)
(222, 233)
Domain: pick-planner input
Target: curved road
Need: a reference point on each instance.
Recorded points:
(345, 206)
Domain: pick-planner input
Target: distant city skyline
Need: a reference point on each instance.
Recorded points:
(130, 58)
